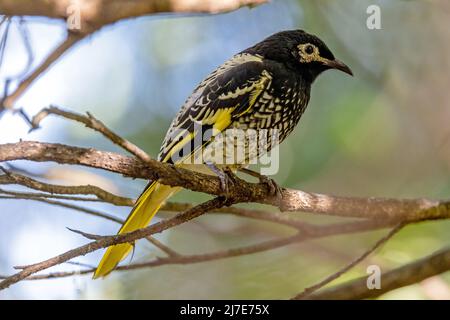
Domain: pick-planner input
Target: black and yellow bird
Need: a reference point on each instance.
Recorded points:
(266, 86)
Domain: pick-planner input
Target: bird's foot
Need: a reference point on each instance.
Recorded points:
(274, 188)
(226, 176)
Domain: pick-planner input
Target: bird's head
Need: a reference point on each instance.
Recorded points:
(301, 51)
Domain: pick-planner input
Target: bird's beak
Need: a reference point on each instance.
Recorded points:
(339, 65)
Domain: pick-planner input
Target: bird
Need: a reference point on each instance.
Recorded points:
(264, 87)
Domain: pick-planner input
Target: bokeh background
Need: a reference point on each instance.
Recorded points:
(384, 132)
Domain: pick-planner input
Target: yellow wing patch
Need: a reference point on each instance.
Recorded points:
(219, 114)
(178, 146)
(220, 120)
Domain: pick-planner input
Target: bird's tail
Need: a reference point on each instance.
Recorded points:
(145, 208)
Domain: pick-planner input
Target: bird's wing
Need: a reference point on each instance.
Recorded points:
(228, 93)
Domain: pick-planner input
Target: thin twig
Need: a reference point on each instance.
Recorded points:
(112, 240)
(89, 236)
(25, 36)
(308, 291)
(101, 194)
(314, 233)
(169, 207)
(80, 264)
(33, 195)
(66, 205)
(169, 251)
(91, 122)
(71, 39)
(414, 272)
(92, 212)
(155, 242)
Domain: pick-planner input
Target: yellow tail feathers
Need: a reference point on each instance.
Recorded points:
(145, 208)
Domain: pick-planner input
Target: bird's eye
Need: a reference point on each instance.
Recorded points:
(309, 49)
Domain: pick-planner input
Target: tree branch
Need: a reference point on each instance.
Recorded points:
(308, 291)
(65, 205)
(102, 12)
(91, 122)
(14, 178)
(94, 14)
(71, 39)
(411, 273)
(292, 200)
(381, 212)
(112, 240)
(102, 195)
(311, 232)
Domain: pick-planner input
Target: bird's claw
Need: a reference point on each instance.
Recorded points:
(226, 177)
(274, 188)
(227, 180)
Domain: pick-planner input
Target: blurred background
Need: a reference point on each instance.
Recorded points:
(384, 132)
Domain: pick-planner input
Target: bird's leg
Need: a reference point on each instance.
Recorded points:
(226, 177)
(132, 252)
(274, 188)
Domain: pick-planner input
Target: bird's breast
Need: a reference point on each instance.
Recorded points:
(279, 108)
